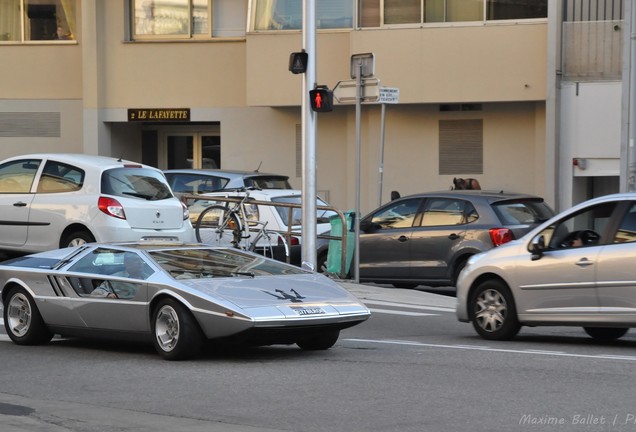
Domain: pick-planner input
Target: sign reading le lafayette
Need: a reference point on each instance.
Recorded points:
(159, 114)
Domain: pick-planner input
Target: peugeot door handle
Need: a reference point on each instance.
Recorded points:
(19, 204)
(402, 239)
(584, 262)
(453, 236)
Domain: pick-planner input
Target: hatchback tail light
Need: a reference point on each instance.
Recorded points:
(500, 236)
(111, 207)
(293, 241)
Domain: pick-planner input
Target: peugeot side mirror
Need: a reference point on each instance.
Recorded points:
(537, 246)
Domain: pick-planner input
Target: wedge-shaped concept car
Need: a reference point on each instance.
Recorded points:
(177, 295)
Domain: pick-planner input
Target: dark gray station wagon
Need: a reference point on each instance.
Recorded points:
(426, 239)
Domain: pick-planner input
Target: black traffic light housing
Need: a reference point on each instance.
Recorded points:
(321, 99)
(298, 62)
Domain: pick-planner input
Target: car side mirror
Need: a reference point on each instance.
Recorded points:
(537, 246)
(367, 226)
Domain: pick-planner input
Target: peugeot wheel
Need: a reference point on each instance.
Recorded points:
(22, 320)
(177, 335)
(492, 311)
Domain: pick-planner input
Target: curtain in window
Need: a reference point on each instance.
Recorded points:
(10, 20)
(265, 17)
(68, 6)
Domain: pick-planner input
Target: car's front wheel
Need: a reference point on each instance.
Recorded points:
(492, 311)
(606, 333)
(177, 335)
(320, 341)
(22, 319)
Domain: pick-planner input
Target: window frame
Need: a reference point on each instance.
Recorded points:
(485, 7)
(189, 36)
(22, 22)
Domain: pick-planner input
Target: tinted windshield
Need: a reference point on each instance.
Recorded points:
(268, 182)
(209, 263)
(322, 216)
(140, 183)
(522, 212)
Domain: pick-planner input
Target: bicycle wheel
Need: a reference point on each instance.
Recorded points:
(271, 244)
(218, 226)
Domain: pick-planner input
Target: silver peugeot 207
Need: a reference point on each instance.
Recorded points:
(577, 269)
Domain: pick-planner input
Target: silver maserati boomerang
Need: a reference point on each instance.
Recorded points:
(177, 295)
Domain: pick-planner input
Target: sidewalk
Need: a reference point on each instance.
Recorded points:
(398, 295)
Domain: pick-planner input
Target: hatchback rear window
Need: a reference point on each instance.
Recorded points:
(140, 183)
(522, 212)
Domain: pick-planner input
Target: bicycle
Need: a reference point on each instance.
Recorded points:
(230, 225)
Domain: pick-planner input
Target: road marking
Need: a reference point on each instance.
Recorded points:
(409, 306)
(502, 350)
(398, 312)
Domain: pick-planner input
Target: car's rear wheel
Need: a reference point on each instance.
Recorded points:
(177, 335)
(492, 311)
(320, 341)
(76, 238)
(22, 319)
(606, 333)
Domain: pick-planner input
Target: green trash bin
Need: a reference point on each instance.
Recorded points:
(334, 256)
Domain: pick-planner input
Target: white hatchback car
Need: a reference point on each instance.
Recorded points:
(50, 201)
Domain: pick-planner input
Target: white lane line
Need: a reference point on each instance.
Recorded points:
(409, 306)
(398, 312)
(4, 337)
(509, 351)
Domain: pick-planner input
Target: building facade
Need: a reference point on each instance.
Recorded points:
(205, 83)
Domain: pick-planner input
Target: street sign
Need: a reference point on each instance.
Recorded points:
(364, 64)
(389, 95)
(346, 91)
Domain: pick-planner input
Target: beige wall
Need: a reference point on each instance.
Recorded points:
(41, 72)
(430, 65)
(166, 74)
(513, 149)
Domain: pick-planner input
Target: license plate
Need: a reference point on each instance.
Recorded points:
(308, 310)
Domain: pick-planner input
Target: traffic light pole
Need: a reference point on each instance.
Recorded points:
(356, 216)
(309, 118)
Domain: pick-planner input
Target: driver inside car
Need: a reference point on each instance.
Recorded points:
(134, 268)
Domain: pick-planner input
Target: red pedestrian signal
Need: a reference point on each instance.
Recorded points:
(321, 99)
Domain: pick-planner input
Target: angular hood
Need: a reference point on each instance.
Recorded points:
(264, 291)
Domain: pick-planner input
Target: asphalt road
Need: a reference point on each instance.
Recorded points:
(411, 367)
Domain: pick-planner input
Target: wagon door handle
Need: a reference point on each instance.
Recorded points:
(584, 262)
(453, 236)
(19, 204)
(402, 238)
